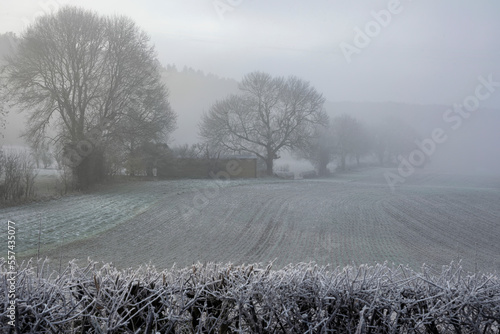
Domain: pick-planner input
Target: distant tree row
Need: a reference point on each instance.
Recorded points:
(97, 82)
(271, 115)
(172, 68)
(345, 137)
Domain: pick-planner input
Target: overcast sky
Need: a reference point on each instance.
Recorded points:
(427, 52)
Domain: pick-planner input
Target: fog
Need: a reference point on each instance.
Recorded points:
(413, 59)
(243, 147)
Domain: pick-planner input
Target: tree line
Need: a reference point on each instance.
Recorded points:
(275, 114)
(92, 88)
(345, 137)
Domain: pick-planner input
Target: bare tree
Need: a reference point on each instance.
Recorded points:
(42, 155)
(351, 139)
(269, 115)
(94, 77)
(345, 131)
(319, 149)
(195, 151)
(18, 176)
(362, 144)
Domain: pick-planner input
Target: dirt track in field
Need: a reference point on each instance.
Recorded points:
(432, 219)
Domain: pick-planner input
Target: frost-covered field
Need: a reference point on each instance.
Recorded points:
(353, 218)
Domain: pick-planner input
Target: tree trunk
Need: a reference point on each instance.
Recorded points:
(90, 170)
(271, 155)
(269, 165)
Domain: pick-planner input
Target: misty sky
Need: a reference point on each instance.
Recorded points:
(429, 52)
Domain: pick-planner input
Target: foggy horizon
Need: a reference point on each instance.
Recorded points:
(428, 52)
(420, 54)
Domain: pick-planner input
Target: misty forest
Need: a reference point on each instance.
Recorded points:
(160, 174)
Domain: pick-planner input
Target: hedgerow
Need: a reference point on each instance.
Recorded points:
(215, 298)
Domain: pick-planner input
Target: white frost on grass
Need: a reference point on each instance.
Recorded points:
(79, 216)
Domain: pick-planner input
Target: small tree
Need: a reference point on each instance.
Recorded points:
(41, 155)
(345, 130)
(18, 176)
(268, 116)
(156, 156)
(195, 151)
(319, 149)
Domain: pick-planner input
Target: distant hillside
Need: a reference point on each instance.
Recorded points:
(191, 94)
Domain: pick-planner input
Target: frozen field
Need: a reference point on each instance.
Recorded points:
(433, 219)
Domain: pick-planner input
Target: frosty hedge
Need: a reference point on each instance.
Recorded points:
(212, 298)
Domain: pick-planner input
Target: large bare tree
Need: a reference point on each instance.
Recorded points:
(96, 78)
(269, 115)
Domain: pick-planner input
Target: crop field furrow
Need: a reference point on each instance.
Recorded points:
(479, 207)
(353, 217)
(251, 215)
(391, 246)
(410, 232)
(432, 226)
(448, 227)
(284, 241)
(265, 245)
